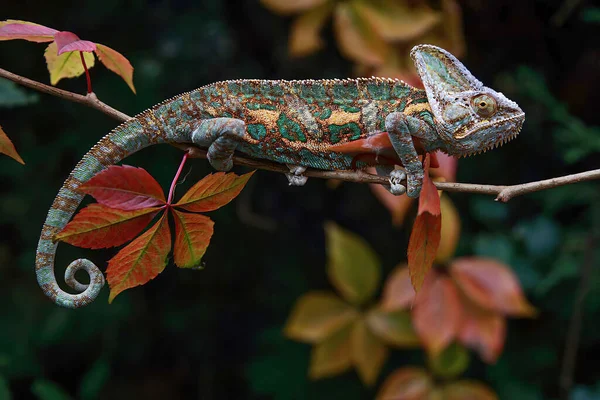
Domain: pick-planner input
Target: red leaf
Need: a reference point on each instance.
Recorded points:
(422, 246)
(125, 187)
(14, 29)
(98, 226)
(213, 192)
(429, 200)
(68, 41)
(192, 236)
(398, 292)
(425, 236)
(491, 285)
(483, 331)
(8, 148)
(438, 313)
(117, 63)
(141, 260)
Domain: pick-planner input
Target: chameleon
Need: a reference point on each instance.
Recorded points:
(331, 124)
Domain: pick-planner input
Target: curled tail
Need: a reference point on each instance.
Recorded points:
(131, 136)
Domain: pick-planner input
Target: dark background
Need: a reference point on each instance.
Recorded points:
(215, 333)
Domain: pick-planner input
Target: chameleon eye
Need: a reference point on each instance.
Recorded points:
(484, 105)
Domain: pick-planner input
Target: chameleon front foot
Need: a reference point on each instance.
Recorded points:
(396, 186)
(295, 177)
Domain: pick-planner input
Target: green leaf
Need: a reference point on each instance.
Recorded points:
(46, 390)
(4, 389)
(393, 327)
(353, 267)
(316, 315)
(12, 95)
(451, 362)
(94, 380)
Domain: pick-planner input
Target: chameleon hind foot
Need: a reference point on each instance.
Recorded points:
(295, 177)
(396, 176)
(396, 186)
(221, 136)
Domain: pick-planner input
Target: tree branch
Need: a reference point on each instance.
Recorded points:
(502, 193)
(90, 100)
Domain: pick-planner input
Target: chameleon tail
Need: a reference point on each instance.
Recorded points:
(130, 137)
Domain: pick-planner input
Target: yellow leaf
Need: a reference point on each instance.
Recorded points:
(397, 21)
(368, 352)
(450, 230)
(116, 62)
(356, 39)
(8, 148)
(333, 355)
(317, 315)
(353, 267)
(394, 327)
(305, 31)
(286, 7)
(407, 384)
(471, 390)
(67, 65)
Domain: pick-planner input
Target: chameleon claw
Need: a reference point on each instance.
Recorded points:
(295, 177)
(396, 186)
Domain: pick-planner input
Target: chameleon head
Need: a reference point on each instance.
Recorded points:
(470, 117)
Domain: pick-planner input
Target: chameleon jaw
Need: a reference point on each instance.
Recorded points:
(501, 141)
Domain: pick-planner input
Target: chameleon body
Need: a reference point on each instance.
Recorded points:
(323, 124)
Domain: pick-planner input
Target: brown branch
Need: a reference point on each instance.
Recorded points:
(90, 100)
(502, 193)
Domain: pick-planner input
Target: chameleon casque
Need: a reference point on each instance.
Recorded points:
(324, 124)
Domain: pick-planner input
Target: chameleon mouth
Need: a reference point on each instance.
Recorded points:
(501, 141)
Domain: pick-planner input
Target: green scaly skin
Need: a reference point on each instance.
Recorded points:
(323, 124)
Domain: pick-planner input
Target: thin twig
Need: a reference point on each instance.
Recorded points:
(502, 193)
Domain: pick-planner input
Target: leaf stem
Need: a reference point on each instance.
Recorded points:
(176, 178)
(87, 73)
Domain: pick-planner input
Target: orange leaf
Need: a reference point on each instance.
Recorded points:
(394, 327)
(355, 38)
(213, 192)
(305, 31)
(429, 200)
(289, 7)
(437, 314)
(406, 384)
(97, 226)
(368, 352)
(468, 390)
(124, 187)
(333, 355)
(422, 246)
(397, 21)
(483, 331)
(317, 315)
(8, 148)
(66, 65)
(192, 236)
(353, 267)
(425, 235)
(11, 29)
(116, 62)
(450, 231)
(141, 260)
(491, 285)
(398, 292)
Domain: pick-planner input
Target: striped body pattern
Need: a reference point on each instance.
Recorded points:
(323, 124)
